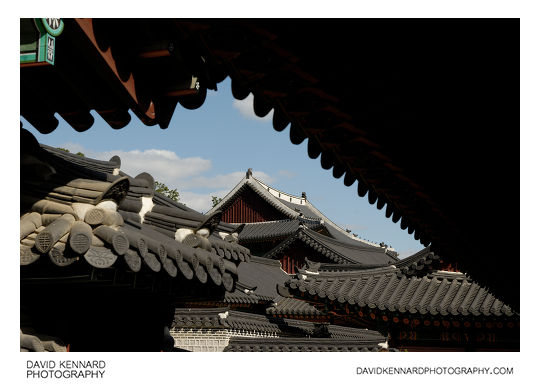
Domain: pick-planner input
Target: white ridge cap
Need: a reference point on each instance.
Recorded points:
(449, 272)
(147, 205)
(282, 195)
(223, 315)
(181, 233)
(383, 345)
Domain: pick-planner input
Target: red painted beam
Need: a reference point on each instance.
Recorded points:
(128, 85)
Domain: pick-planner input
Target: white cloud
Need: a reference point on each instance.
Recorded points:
(75, 148)
(163, 165)
(216, 181)
(245, 107)
(201, 202)
(264, 177)
(184, 174)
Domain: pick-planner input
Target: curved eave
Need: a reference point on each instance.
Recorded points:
(260, 191)
(438, 294)
(358, 131)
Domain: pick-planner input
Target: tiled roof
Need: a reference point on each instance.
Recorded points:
(248, 294)
(263, 275)
(163, 200)
(292, 307)
(273, 229)
(230, 319)
(257, 284)
(70, 216)
(224, 318)
(292, 206)
(167, 220)
(336, 251)
(172, 218)
(89, 163)
(257, 188)
(375, 133)
(437, 293)
(239, 344)
(417, 264)
(33, 342)
(239, 296)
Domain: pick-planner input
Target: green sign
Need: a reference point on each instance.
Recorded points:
(38, 39)
(54, 27)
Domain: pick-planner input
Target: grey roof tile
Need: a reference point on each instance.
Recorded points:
(239, 344)
(112, 241)
(412, 306)
(34, 342)
(376, 292)
(273, 229)
(365, 290)
(225, 318)
(292, 210)
(292, 306)
(345, 287)
(428, 294)
(445, 293)
(419, 264)
(89, 163)
(478, 299)
(335, 250)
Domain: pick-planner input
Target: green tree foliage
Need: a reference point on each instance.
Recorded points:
(163, 189)
(66, 150)
(216, 200)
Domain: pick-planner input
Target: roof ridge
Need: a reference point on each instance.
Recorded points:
(444, 300)
(379, 270)
(316, 235)
(201, 310)
(265, 261)
(259, 190)
(227, 197)
(268, 193)
(279, 191)
(321, 244)
(113, 161)
(272, 199)
(337, 227)
(305, 202)
(271, 222)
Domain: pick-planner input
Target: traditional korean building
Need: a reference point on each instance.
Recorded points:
(95, 274)
(255, 317)
(421, 302)
(111, 244)
(412, 303)
(223, 329)
(390, 130)
(418, 307)
(289, 228)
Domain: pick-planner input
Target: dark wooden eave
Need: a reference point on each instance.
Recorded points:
(422, 115)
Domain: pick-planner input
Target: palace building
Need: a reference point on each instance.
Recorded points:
(409, 117)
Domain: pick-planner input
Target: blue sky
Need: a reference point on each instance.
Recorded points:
(346, 207)
(207, 151)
